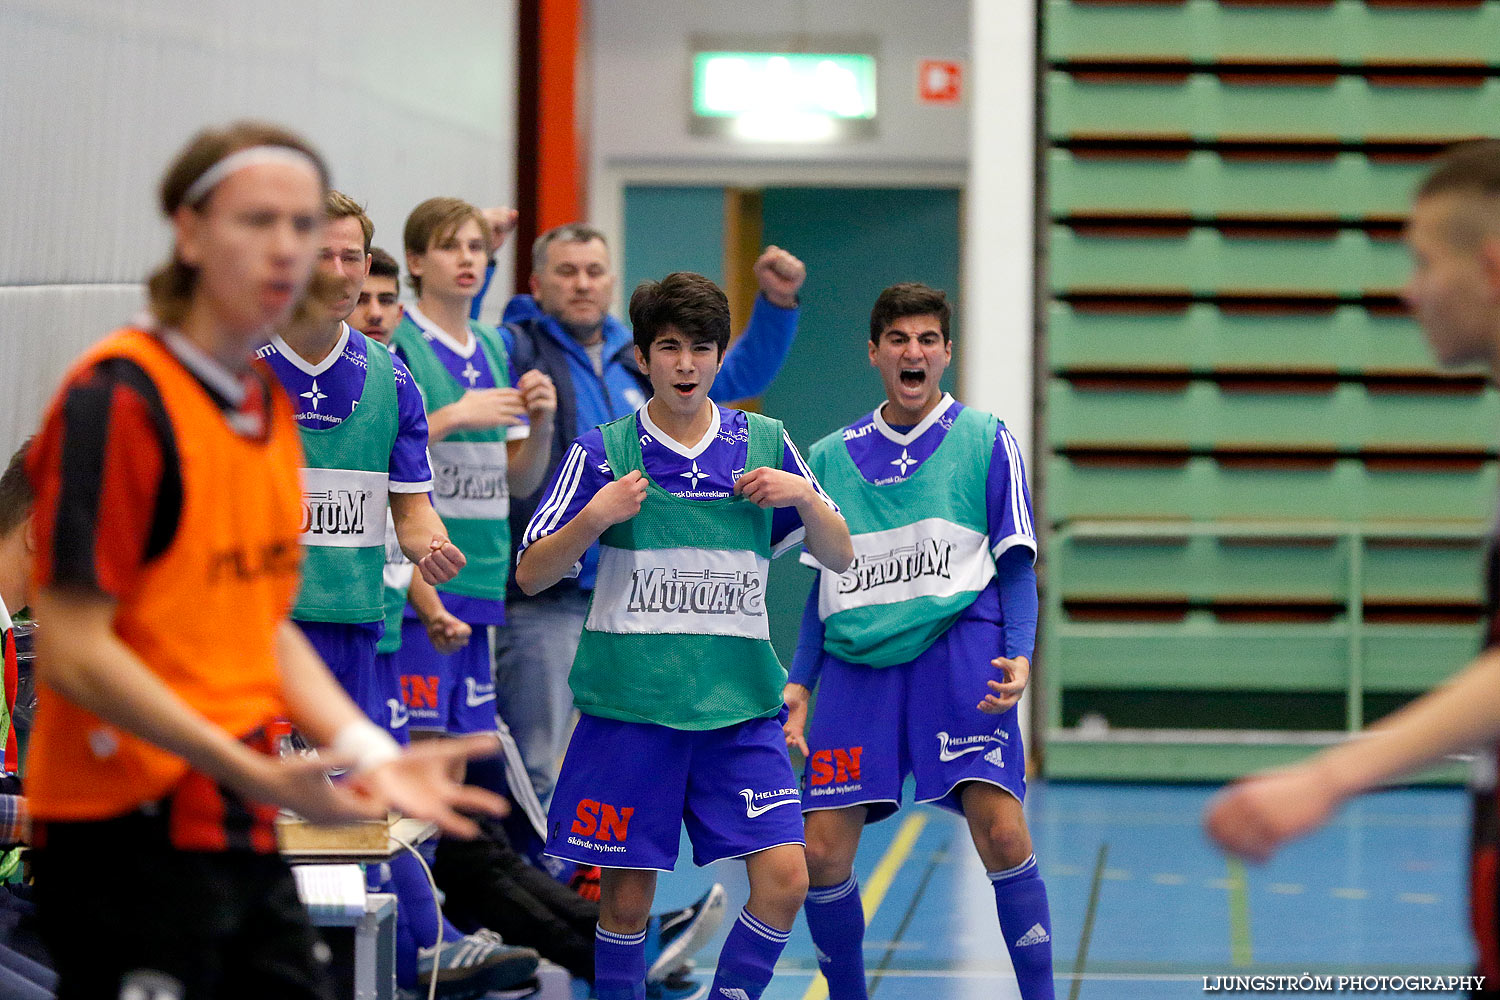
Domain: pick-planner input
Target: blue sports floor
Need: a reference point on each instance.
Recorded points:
(1142, 906)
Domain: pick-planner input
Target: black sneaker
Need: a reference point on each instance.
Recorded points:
(677, 986)
(673, 936)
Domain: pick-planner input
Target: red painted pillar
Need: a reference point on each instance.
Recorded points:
(551, 133)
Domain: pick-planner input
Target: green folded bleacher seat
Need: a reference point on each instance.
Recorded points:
(1204, 338)
(1202, 487)
(1203, 106)
(1203, 415)
(1348, 31)
(1205, 184)
(1206, 261)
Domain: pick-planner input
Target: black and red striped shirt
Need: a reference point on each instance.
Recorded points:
(116, 502)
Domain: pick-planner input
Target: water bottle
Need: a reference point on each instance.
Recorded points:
(24, 637)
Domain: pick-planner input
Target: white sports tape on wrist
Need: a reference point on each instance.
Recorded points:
(365, 744)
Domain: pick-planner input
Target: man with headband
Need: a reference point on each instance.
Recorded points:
(168, 508)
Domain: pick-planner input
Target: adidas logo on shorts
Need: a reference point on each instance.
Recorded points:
(1037, 935)
(996, 756)
(734, 993)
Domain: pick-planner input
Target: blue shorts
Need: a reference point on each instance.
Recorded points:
(627, 788)
(396, 715)
(349, 651)
(873, 727)
(446, 693)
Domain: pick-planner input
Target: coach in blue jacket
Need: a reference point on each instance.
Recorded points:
(563, 328)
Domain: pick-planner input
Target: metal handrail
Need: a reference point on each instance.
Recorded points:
(1355, 532)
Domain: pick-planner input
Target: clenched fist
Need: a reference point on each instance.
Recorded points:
(539, 395)
(442, 561)
(780, 276)
(481, 409)
(500, 223)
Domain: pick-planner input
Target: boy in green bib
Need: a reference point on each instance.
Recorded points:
(679, 687)
(923, 644)
(364, 440)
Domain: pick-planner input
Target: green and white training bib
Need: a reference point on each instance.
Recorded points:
(921, 546)
(677, 633)
(345, 495)
(469, 468)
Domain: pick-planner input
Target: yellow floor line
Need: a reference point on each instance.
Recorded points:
(873, 891)
(1240, 952)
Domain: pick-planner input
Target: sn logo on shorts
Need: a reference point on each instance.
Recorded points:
(419, 692)
(837, 766)
(602, 821)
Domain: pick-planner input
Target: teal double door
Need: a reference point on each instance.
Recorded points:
(855, 242)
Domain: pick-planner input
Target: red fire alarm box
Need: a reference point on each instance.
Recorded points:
(939, 81)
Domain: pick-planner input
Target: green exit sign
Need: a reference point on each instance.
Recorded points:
(787, 96)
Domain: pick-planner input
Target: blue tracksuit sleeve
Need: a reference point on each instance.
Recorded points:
(807, 661)
(474, 307)
(754, 360)
(1018, 602)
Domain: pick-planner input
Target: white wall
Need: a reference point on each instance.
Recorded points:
(405, 102)
(999, 260)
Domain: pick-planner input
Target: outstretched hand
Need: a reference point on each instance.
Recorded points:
(301, 785)
(1254, 817)
(419, 784)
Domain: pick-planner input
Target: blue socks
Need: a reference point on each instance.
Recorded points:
(747, 959)
(619, 965)
(415, 899)
(745, 964)
(417, 923)
(836, 920)
(1021, 901)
